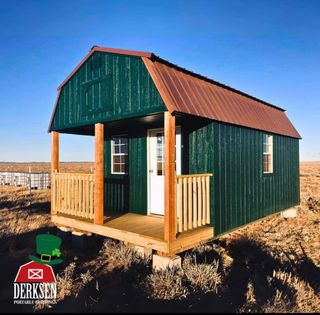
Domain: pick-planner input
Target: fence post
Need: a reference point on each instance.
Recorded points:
(29, 184)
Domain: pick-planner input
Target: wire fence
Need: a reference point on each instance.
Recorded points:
(32, 180)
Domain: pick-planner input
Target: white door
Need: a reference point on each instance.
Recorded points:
(156, 168)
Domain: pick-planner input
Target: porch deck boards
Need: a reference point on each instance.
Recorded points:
(139, 224)
(142, 230)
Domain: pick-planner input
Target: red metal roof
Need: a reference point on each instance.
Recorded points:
(190, 93)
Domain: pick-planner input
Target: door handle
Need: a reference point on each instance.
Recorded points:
(150, 171)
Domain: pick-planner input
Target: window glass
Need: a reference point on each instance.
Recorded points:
(267, 153)
(119, 155)
(160, 155)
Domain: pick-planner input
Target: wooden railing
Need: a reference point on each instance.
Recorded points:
(73, 194)
(193, 201)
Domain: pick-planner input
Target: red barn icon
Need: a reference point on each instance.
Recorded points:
(35, 272)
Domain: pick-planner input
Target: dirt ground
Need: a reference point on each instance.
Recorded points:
(272, 265)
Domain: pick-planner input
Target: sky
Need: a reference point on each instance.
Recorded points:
(269, 49)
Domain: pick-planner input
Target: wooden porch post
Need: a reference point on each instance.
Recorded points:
(169, 178)
(54, 167)
(54, 151)
(99, 174)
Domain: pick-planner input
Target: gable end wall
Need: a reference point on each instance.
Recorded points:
(106, 87)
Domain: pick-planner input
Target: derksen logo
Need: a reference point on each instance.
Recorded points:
(35, 281)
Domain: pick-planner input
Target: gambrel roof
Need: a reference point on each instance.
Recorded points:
(186, 92)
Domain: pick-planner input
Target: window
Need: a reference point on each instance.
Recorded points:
(160, 154)
(119, 155)
(267, 153)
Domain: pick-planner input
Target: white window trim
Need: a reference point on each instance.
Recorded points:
(118, 154)
(271, 154)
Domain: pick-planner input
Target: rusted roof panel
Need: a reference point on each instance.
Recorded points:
(198, 96)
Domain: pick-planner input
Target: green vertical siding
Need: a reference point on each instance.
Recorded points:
(241, 193)
(138, 174)
(198, 152)
(116, 187)
(107, 87)
(128, 193)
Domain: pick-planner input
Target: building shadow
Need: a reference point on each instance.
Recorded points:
(26, 204)
(305, 269)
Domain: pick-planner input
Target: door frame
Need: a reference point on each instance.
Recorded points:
(178, 130)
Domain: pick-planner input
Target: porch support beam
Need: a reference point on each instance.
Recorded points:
(99, 174)
(54, 167)
(169, 178)
(54, 151)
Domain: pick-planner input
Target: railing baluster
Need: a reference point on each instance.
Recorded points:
(193, 201)
(190, 203)
(179, 205)
(59, 192)
(199, 201)
(91, 199)
(88, 197)
(65, 203)
(84, 197)
(54, 193)
(185, 205)
(208, 198)
(80, 195)
(54, 186)
(75, 187)
(72, 194)
(204, 201)
(67, 190)
(195, 204)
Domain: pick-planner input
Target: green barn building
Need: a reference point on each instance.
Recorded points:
(179, 157)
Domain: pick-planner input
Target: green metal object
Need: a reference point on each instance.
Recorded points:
(107, 87)
(240, 192)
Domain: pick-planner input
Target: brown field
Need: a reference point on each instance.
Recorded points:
(45, 167)
(272, 265)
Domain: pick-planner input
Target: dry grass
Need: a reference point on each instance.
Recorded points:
(172, 284)
(114, 254)
(269, 266)
(304, 296)
(166, 285)
(201, 276)
(69, 283)
(22, 212)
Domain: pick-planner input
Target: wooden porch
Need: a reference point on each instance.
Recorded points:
(145, 231)
(77, 201)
